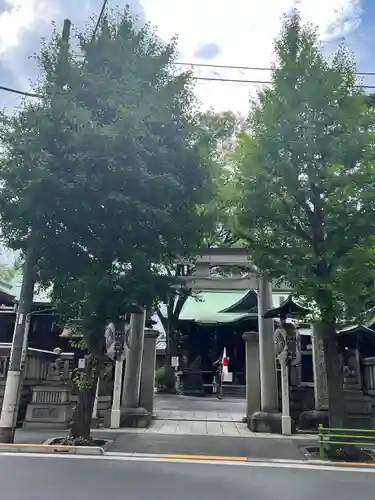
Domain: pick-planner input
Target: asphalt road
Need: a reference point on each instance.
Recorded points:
(36, 478)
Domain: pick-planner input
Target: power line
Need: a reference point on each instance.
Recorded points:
(240, 67)
(232, 80)
(20, 92)
(198, 78)
(259, 82)
(182, 63)
(40, 96)
(221, 66)
(249, 68)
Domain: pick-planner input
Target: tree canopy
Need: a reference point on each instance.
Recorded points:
(111, 152)
(107, 171)
(306, 177)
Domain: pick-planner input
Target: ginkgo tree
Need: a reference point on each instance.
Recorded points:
(306, 175)
(103, 177)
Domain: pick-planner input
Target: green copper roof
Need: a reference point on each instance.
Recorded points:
(223, 318)
(13, 287)
(207, 307)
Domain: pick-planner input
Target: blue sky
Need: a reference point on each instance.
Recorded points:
(239, 32)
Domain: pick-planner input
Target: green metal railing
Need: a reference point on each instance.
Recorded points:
(356, 437)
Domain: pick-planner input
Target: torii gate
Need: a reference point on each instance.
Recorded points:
(201, 280)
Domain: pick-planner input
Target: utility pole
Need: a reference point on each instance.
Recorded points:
(18, 353)
(13, 387)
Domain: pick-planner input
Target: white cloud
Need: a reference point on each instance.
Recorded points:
(245, 32)
(20, 17)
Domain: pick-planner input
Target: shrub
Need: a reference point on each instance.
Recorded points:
(165, 381)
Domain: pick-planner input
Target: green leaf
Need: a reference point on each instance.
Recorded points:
(306, 176)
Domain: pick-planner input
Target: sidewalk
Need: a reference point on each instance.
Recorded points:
(156, 441)
(192, 426)
(224, 446)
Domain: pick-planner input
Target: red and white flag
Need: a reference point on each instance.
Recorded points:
(225, 361)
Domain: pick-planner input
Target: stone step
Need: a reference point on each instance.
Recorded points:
(355, 395)
(359, 421)
(358, 407)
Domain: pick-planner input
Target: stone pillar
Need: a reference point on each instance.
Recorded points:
(311, 419)
(116, 400)
(269, 418)
(147, 391)
(252, 372)
(131, 414)
(95, 417)
(267, 359)
(320, 371)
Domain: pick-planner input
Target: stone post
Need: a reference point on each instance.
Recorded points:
(320, 371)
(95, 417)
(148, 371)
(267, 360)
(286, 422)
(116, 400)
(252, 372)
(131, 414)
(311, 419)
(281, 344)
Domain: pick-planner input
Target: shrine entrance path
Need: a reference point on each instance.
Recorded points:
(199, 409)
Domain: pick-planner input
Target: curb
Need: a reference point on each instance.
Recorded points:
(203, 458)
(215, 458)
(95, 452)
(49, 448)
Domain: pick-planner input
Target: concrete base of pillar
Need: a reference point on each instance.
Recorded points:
(310, 420)
(115, 419)
(286, 426)
(262, 421)
(6, 435)
(136, 418)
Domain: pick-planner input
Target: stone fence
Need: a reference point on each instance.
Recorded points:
(38, 365)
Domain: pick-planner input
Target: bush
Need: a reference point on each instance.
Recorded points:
(165, 380)
(80, 441)
(347, 453)
(192, 383)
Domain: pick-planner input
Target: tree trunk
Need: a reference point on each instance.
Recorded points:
(171, 347)
(82, 415)
(170, 351)
(336, 401)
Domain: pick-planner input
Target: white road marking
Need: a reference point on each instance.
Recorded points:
(278, 464)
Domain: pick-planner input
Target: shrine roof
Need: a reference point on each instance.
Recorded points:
(348, 330)
(224, 318)
(14, 284)
(212, 307)
(290, 308)
(11, 290)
